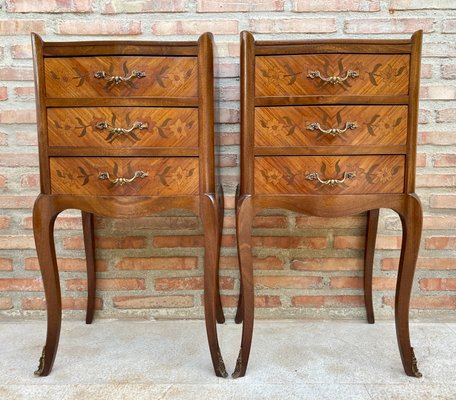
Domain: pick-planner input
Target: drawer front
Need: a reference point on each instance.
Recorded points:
(124, 176)
(332, 74)
(114, 127)
(329, 174)
(121, 76)
(328, 125)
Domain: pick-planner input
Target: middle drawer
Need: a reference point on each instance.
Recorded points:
(113, 127)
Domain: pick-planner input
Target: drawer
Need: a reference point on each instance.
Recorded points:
(330, 125)
(329, 174)
(121, 76)
(105, 176)
(331, 74)
(114, 127)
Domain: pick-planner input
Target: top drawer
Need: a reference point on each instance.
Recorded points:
(332, 74)
(121, 76)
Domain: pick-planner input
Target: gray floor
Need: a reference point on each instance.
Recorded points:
(170, 360)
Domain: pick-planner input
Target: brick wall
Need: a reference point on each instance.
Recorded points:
(304, 266)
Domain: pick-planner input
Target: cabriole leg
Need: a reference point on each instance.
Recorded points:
(89, 244)
(369, 251)
(220, 214)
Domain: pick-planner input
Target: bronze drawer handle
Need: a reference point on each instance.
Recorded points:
(333, 79)
(116, 79)
(120, 131)
(315, 126)
(331, 182)
(104, 176)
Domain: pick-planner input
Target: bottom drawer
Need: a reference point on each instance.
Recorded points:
(105, 176)
(329, 174)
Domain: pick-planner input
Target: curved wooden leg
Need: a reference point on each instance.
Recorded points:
(89, 244)
(412, 221)
(44, 216)
(239, 317)
(220, 211)
(244, 219)
(369, 250)
(209, 214)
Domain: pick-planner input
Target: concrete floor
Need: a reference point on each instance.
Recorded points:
(170, 360)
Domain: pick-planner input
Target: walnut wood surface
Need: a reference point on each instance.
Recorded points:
(289, 126)
(164, 76)
(288, 75)
(166, 176)
(275, 161)
(163, 127)
(372, 174)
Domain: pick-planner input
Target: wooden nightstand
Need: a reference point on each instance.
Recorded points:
(328, 128)
(125, 130)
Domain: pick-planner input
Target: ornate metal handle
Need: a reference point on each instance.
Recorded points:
(315, 126)
(333, 79)
(331, 182)
(121, 131)
(116, 79)
(104, 176)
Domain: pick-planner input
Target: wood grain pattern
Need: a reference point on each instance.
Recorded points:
(166, 176)
(161, 127)
(291, 126)
(372, 174)
(163, 76)
(288, 75)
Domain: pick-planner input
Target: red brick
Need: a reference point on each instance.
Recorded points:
(103, 28)
(288, 282)
(388, 242)
(239, 5)
(421, 4)
(288, 242)
(437, 138)
(426, 71)
(438, 284)
(439, 222)
(16, 74)
(427, 302)
(356, 282)
(445, 160)
(19, 160)
(25, 93)
(195, 27)
(3, 93)
(270, 221)
(17, 117)
(421, 159)
(443, 201)
(229, 202)
(441, 243)
(157, 263)
(6, 264)
(61, 223)
(259, 263)
(306, 222)
(139, 302)
(3, 181)
(227, 138)
(26, 138)
(446, 115)
(21, 51)
(424, 116)
(17, 242)
(6, 303)
(189, 283)
(327, 301)
(20, 285)
(3, 139)
(68, 303)
(439, 49)
(126, 242)
(226, 160)
(449, 26)
(349, 242)
(439, 92)
(80, 285)
(227, 116)
(388, 25)
(336, 5)
(49, 6)
(4, 222)
(328, 264)
(17, 202)
(13, 27)
(391, 264)
(231, 301)
(293, 25)
(66, 264)
(436, 180)
(449, 71)
(179, 241)
(30, 181)
(143, 6)
(223, 69)
(181, 222)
